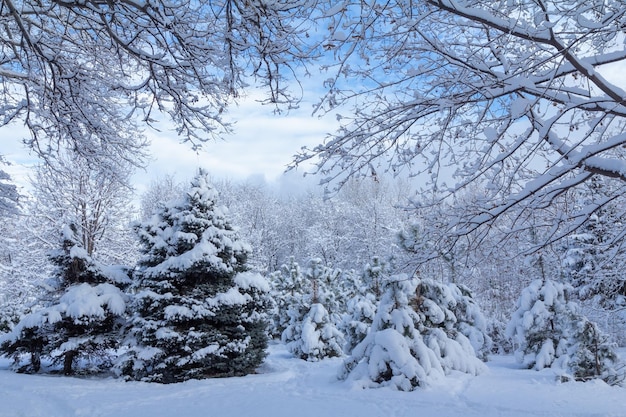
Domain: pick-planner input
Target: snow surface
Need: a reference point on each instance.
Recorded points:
(287, 387)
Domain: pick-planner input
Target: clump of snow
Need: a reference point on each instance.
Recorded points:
(87, 300)
(247, 280)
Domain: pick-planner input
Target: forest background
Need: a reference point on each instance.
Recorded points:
(505, 222)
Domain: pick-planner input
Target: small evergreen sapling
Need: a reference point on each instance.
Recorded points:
(289, 286)
(551, 332)
(312, 333)
(361, 307)
(539, 325)
(451, 308)
(414, 338)
(394, 352)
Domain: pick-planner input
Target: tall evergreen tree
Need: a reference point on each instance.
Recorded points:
(199, 313)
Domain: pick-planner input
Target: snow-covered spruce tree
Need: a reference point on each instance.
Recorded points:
(289, 286)
(437, 306)
(451, 308)
(413, 338)
(361, 307)
(551, 332)
(590, 354)
(81, 315)
(540, 323)
(312, 332)
(198, 312)
(394, 352)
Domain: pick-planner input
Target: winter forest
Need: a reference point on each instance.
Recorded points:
(467, 227)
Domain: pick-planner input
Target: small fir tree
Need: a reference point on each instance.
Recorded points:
(394, 352)
(452, 308)
(590, 354)
(361, 308)
(539, 323)
(288, 287)
(551, 332)
(414, 338)
(359, 317)
(438, 305)
(317, 338)
(198, 312)
(312, 332)
(81, 316)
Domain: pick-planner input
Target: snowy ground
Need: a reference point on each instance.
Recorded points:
(287, 387)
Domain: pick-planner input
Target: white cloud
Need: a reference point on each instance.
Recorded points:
(262, 145)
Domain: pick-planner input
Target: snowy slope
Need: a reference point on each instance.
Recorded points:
(287, 387)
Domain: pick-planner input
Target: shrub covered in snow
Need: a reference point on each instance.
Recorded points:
(359, 317)
(590, 354)
(198, 313)
(79, 319)
(550, 331)
(412, 340)
(539, 323)
(315, 337)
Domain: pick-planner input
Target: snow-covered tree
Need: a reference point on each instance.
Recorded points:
(361, 307)
(9, 195)
(412, 340)
(160, 190)
(96, 200)
(451, 307)
(312, 333)
(80, 321)
(512, 96)
(394, 352)
(78, 72)
(550, 331)
(314, 336)
(198, 312)
(590, 354)
(289, 286)
(540, 323)
(452, 325)
(359, 317)
(592, 256)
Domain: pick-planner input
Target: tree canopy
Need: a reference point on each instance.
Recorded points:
(81, 74)
(509, 97)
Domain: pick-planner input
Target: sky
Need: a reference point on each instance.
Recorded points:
(260, 148)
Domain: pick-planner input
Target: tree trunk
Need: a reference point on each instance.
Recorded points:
(67, 362)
